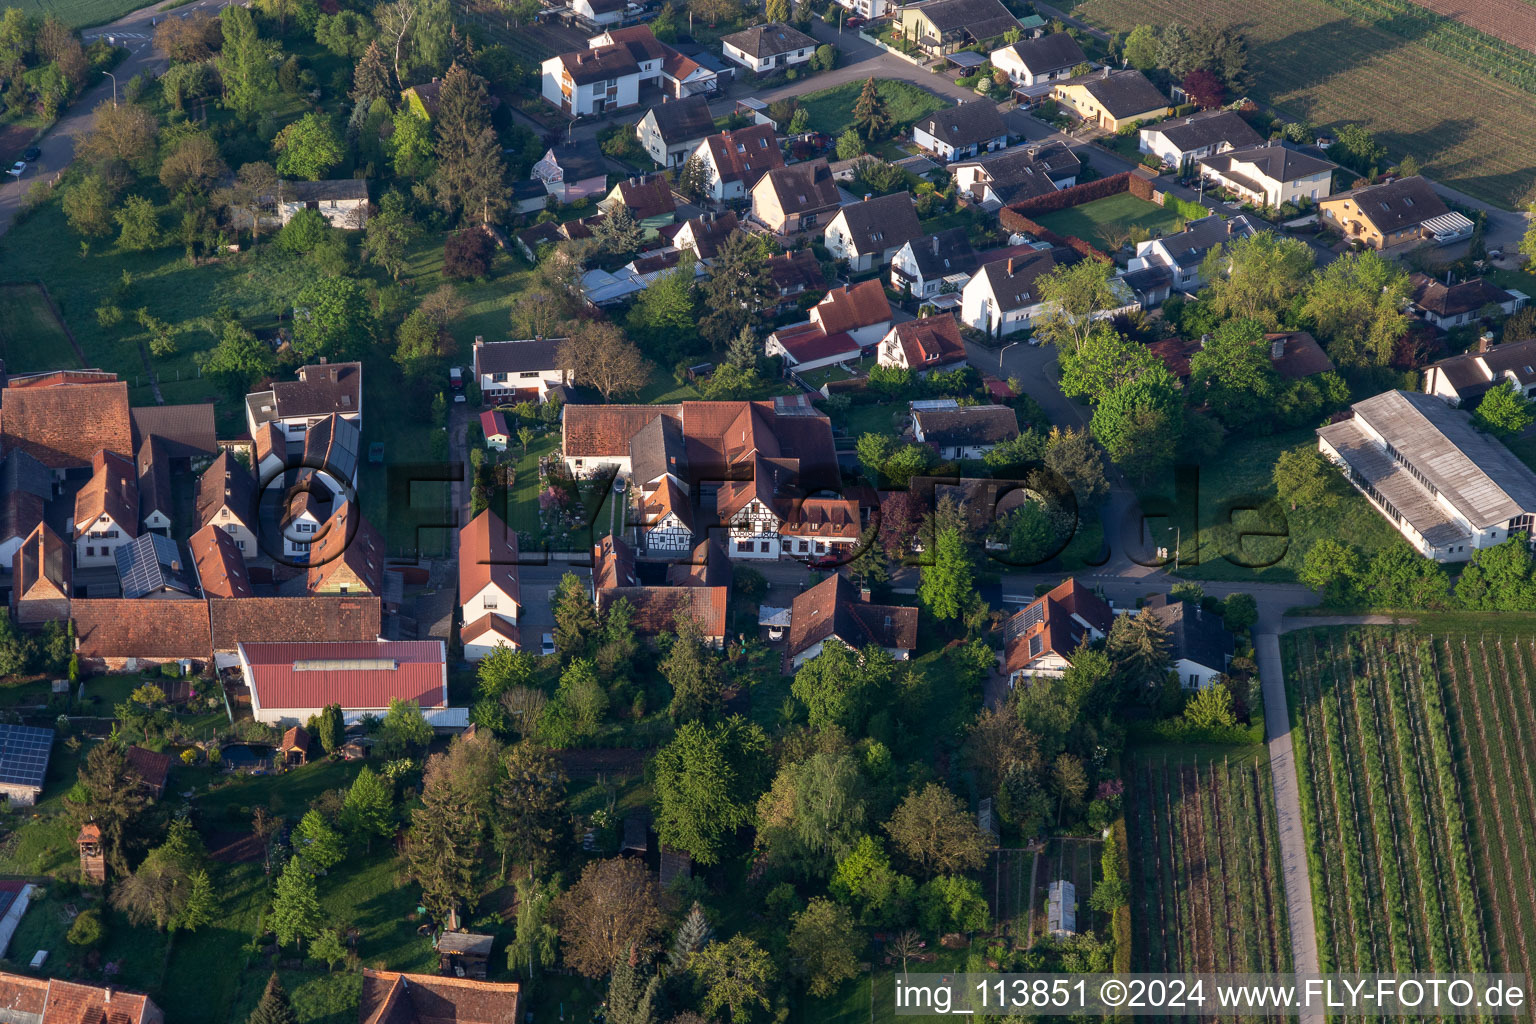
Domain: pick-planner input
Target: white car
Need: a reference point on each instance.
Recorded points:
(547, 644)
(17, 169)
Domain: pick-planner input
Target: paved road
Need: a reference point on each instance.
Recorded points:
(133, 31)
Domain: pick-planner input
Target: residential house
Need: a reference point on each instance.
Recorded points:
(322, 389)
(156, 503)
(422, 99)
(25, 485)
(1042, 639)
(1199, 645)
(126, 635)
(867, 234)
(795, 273)
(42, 578)
(862, 310)
(1181, 141)
(926, 266)
(835, 610)
(346, 557)
(1112, 99)
(658, 470)
(818, 528)
(925, 345)
(226, 499)
(1017, 174)
(30, 1000)
(599, 13)
(331, 454)
(1296, 354)
(806, 346)
(301, 519)
(1271, 175)
(1449, 305)
(490, 595)
(1446, 486)
(677, 75)
(767, 48)
(219, 566)
(941, 27)
(1031, 62)
(604, 288)
(493, 424)
(963, 130)
(153, 566)
(656, 610)
(964, 431)
(519, 371)
(790, 200)
(588, 82)
(389, 997)
(868, 9)
(573, 170)
(665, 524)
(735, 161)
(186, 430)
(649, 200)
(1398, 212)
(327, 618)
(106, 511)
(343, 202)
(63, 419)
(1004, 295)
(1181, 255)
(670, 131)
(703, 235)
(290, 682)
(1464, 379)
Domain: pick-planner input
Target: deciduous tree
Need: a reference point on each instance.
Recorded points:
(121, 134)
(369, 808)
(936, 833)
(612, 909)
(825, 945)
(1257, 277)
(706, 782)
(1069, 298)
(308, 148)
(296, 913)
(1307, 480)
(245, 65)
(1504, 411)
(737, 976)
(1356, 305)
(600, 357)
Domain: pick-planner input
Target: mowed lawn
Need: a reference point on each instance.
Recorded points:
(78, 13)
(831, 110)
(1092, 222)
(31, 337)
(1311, 61)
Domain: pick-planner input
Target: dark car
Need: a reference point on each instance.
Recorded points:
(827, 562)
(30, 154)
(853, 21)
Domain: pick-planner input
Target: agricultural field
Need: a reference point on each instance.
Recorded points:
(1399, 745)
(79, 13)
(1206, 889)
(1106, 224)
(1310, 60)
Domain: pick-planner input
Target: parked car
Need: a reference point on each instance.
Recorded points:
(31, 154)
(17, 168)
(456, 378)
(827, 562)
(853, 21)
(547, 644)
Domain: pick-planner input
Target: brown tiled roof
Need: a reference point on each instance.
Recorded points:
(1447, 300)
(1048, 624)
(679, 66)
(487, 554)
(318, 618)
(968, 424)
(489, 623)
(20, 511)
(321, 388)
(43, 557)
(880, 223)
(709, 232)
(1175, 354)
(1300, 355)
(152, 768)
(393, 998)
(1123, 93)
(746, 154)
(667, 499)
(296, 738)
(850, 308)
(930, 341)
(20, 994)
(708, 566)
(347, 540)
(123, 628)
(803, 188)
(641, 42)
(794, 272)
(613, 564)
(227, 482)
(769, 40)
(647, 197)
(188, 429)
(220, 566)
(270, 439)
(1396, 204)
(832, 608)
(113, 490)
(656, 609)
(822, 518)
(605, 430)
(154, 465)
(72, 1003)
(600, 62)
(65, 425)
(808, 342)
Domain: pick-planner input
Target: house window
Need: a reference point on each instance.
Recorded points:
(89, 551)
(490, 602)
(529, 373)
(224, 513)
(805, 546)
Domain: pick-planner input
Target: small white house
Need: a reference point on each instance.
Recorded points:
(106, 511)
(1199, 646)
(926, 266)
(515, 371)
(670, 131)
(1031, 62)
(867, 234)
(1182, 254)
(961, 131)
(1003, 297)
(592, 81)
(343, 202)
(493, 424)
(600, 13)
(868, 9)
(1180, 141)
(735, 161)
(766, 48)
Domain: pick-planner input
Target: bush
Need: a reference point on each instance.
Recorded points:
(88, 929)
(306, 231)
(826, 57)
(467, 254)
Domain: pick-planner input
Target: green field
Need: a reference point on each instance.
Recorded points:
(79, 13)
(1311, 61)
(1104, 223)
(831, 110)
(1411, 752)
(31, 337)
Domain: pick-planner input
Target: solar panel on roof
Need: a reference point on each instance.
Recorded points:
(24, 755)
(1034, 614)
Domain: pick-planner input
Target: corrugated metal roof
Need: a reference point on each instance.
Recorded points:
(1394, 483)
(354, 675)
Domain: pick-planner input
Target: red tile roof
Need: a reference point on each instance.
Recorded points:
(43, 558)
(70, 1003)
(113, 490)
(487, 554)
(745, 154)
(605, 430)
(220, 565)
(832, 608)
(347, 543)
(849, 308)
(1052, 620)
(930, 341)
(152, 768)
(66, 424)
(823, 519)
(491, 624)
(494, 424)
(354, 675)
(392, 998)
(807, 342)
(613, 564)
(157, 629)
(647, 197)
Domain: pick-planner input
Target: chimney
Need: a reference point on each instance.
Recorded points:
(1010, 266)
(1106, 71)
(868, 196)
(1204, 340)
(322, 360)
(479, 340)
(935, 245)
(1485, 342)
